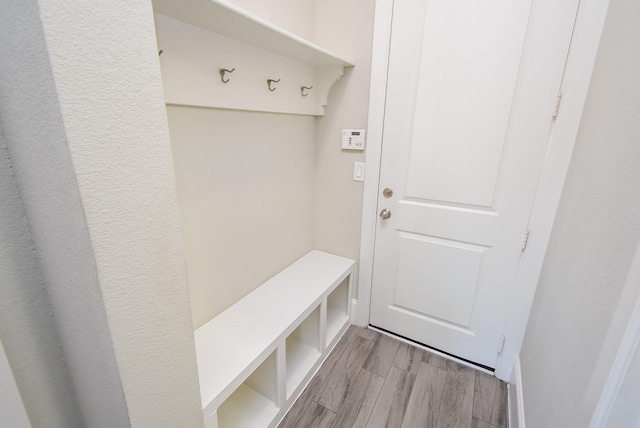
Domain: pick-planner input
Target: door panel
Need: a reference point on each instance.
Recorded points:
(470, 92)
(450, 268)
(465, 88)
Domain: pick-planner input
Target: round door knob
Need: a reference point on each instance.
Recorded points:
(385, 214)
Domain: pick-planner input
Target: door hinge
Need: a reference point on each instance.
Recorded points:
(525, 240)
(556, 108)
(501, 344)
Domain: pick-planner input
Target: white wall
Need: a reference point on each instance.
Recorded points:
(59, 350)
(107, 75)
(85, 127)
(595, 235)
(27, 328)
(245, 186)
(12, 411)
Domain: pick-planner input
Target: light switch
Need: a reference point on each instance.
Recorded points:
(358, 171)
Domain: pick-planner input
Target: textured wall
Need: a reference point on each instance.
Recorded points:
(106, 71)
(245, 184)
(595, 235)
(27, 328)
(54, 326)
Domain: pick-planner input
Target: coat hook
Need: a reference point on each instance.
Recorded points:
(160, 52)
(305, 88)
(269, 82)
(222, 72)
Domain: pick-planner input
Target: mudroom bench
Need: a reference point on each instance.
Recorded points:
(255, 358)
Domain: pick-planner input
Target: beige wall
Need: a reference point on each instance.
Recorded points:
(346, 26)
(259, 190)
(245, 186)
(596, 232)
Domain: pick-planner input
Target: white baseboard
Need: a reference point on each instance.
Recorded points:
(515, 397)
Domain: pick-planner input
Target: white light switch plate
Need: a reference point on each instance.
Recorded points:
(358, 171)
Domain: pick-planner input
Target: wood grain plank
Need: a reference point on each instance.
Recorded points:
(301, 404)
(392, 401)
(367, 333)
(490, 400)
(336, 353)
(382, 355)
(434, 359)
(425, 398)
(341, 378)
(456, 407)
(408, 358)
(359, 401)
(316, 416)
(479, 423)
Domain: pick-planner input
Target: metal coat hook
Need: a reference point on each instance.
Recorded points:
(269, 82)
(160, 52)
(305, 88)
(223, 71)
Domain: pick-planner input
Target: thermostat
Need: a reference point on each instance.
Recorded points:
(353, 139)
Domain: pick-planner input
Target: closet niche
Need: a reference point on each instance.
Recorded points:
(241, 98)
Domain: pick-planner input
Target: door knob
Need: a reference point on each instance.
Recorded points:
(385, 214)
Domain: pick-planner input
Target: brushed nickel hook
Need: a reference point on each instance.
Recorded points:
(223, 71)
(305, 88)
(269, 82)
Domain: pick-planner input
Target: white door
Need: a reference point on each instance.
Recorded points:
(471, 90)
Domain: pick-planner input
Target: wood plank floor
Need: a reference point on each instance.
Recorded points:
(371, 380)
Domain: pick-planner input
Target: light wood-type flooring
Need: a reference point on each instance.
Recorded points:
(371, 380)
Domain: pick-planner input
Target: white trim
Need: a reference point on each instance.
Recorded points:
(583, 50)
(575, 86)
(516, 405)
(377, 96)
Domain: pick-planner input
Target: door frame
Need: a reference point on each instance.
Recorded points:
(575, 85)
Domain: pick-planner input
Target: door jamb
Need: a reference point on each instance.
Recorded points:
(582, 54)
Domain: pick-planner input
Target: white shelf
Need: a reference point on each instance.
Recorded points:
(235, 23)
(246, 408)
(302, 351)
(235, 347)
(337, 310)
(199, 37)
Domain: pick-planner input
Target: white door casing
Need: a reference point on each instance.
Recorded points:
(471, 88)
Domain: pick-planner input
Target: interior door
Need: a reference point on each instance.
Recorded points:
(471, 90)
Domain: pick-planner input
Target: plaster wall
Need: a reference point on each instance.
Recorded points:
(107, 80)
(27, 329)
(53, 323)
(596, 232)
(245, 186)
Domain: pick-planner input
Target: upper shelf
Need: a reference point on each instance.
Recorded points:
(230, 21)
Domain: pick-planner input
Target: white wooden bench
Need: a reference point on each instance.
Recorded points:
(255, 358)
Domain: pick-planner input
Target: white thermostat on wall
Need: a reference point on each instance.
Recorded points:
(353, 139)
